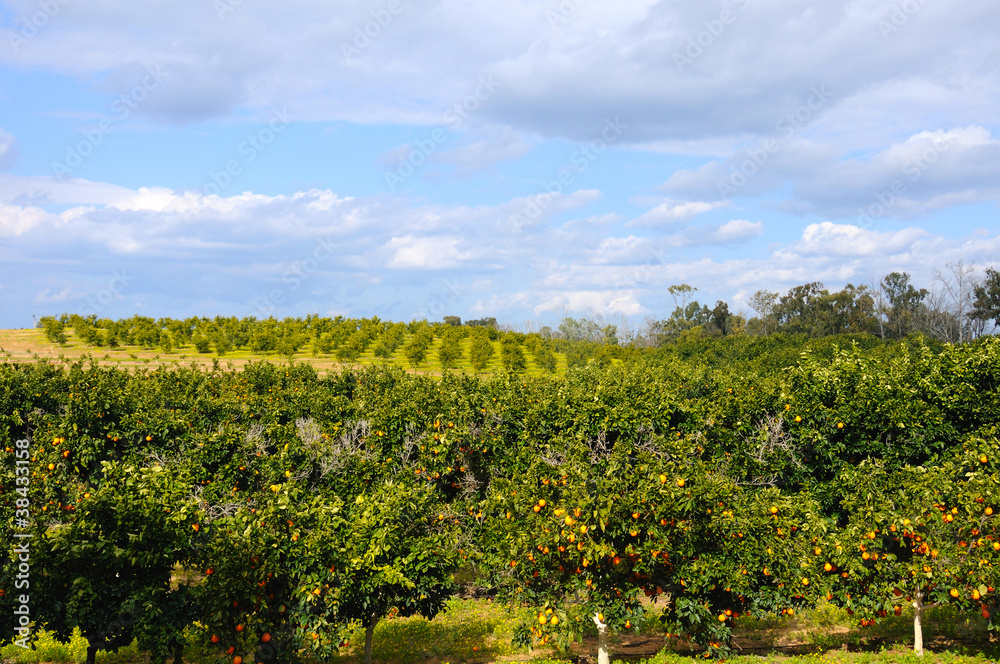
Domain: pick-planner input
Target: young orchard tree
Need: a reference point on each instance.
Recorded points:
(480, 350)
(928, 536)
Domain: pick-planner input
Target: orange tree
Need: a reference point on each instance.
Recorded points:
(397, 555)
(267, 573)
(926, 535)
(585, 532)
(106, 566)
(333, 537)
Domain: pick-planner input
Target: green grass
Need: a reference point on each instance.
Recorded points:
(478, 631)
(134, 355)
(47, 649)
(466, 631)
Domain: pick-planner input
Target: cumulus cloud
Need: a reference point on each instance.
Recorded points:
(924, 172)
(315, 250)
(633, 59)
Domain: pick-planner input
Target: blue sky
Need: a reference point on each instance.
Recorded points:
(519, 159)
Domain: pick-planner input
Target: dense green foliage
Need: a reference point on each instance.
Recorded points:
(706, 474)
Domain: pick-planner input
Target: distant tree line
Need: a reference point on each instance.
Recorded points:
(958, 307)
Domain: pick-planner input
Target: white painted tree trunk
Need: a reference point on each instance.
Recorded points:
(603, 652)
(918, 628)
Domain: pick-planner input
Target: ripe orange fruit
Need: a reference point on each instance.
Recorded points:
(237, 660)
(663, 479)
(195, 526)
(52, 466)
(828, 567)
(983, 458)
(975, 595)
(215, 639)
(989, 511)
(239, 628)
(953, 592)
(541, 502)
(149, 438)
(798, 418)
(840, 425)
(680, 484)
(230, 650)
(986, 614)
(774, 510)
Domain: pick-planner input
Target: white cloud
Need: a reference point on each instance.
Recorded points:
(188, 253)
(737, 230)
(43, 190)
(924, 172)
(493, 146)
(425, 253)
(603, 61)
(15, 220)
(8, 149)
(675, 212)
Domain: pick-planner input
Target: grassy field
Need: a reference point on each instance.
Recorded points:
(30, 345)
(479, 632)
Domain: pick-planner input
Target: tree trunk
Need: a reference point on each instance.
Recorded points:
(179, 654)
(918, 628)
(369, 637)
(91, 654)
(603, 652)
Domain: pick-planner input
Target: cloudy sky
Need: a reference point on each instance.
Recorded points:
(523, 159)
